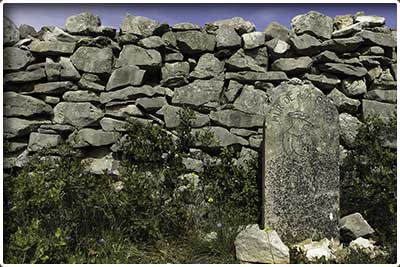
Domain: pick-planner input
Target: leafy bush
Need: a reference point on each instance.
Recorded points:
(368, 178)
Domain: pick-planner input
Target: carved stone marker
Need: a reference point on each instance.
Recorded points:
(301, 164)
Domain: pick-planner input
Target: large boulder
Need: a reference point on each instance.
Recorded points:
(292, 65)
(39, 141)
(221, 137)
(24, 106)
(314, 23)
(349, 126)
(240, 25)
(14, 127)
(92, 137)
(172, 117)
(15, 58)
(141, 26)
(77, 114)
(135, 55)
(260, 246)
(10, 32)
(276, 30)
(198, 92)
(237, 119)
(52, 48)
(195, 42)
(207, 67)
(93, 59)
(82, 23)
(354, 225)
(124, 76)
(251, 100)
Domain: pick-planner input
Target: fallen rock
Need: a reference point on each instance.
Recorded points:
(148, 59)
(276, 30)
(14, 127)
(77, 114)
(343, 103)
(131, 92)
(354, 226)
(92, 137)
(93, 60)
(237, 119)
(172, 118)
(292, 66)
(124, 76)
(25, 106)
(207, 67)
(375, 108)
(313, 23)
(195, 42)
(239, 24)
(10, 32)
(15, 58)
(198, 92)
(348, 129)
(259, 246)
(39, 141)
(253, 39)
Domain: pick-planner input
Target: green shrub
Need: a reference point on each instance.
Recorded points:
(368, 178)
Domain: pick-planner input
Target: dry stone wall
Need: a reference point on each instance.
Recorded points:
(83, 83)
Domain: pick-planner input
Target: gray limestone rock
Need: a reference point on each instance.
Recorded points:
(15, 147)
(39, 141)
(239, 24)
(222, 137)
(14, 127)
(26, 31)
(292, 66)
(324, 81)
(151, 104)
(232, 91)
(24, 106)
(353, 87)
(53, 88)
(314, 23)
(207, 67)
(173, 57)
(253, 39)
(82, 23)
(25, 76)
(175, 74)
(255, 141)
(242, 132)
(354, 226)
(53, 34)
(152, 42)
(67, 70)
(375, 108)
(306, 44)
(10, 32)
(377, 38)
(91, 82)
(344, 69)
(140, 26)
(15, 58)
(342, 45)
(170, 39)
(195, 42)
(241, 62)
(238, 119)
(254, 245)
(125, 76)
(349, 30)
(251, 100)
(111, 125)
(52, 48)
(383, 85)
(349, 126)
(344, 103)
(198, 92)
(325, 57)
(172, 117)
(277, 48)
(80, 96)
(123, 111)
(276, 30)
(226, 37)
(185, 26)
(342, 21)
(58, 128)
(149, 59)
(371, 21)
(77, 114)
(301, 173)
(92, 137)
(251, 76)
(388, 96)
(93, 60)
(131, 92)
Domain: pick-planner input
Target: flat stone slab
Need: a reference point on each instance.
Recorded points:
(301, 164)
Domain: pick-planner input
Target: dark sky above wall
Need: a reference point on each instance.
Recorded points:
(260, 14)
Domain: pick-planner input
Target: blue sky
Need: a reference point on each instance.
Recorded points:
(260, 14)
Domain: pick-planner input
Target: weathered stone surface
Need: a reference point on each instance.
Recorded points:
(314, 23)
(124, 76)
(207, 67)
(253, 39)
(173, 57)
(140, 26)
(58, 128)
(135, 55)
(325, 57)
(239, 24)
(316, 250)
(344, 103)
(383, 85)
(77, 114)
(185, 26)
(15, 58)
(301, 175)
(371, 21)
(152, 42)
(277, 47)
(250, 76)
(91, 82)
(170, 39)
(276, 30)
(198, 92)
(342, 21)
(242, 132)
(375, 108)
(324, 81)
(388, 96)
(131, 93)
(175, 74)
(344, 69)
(354, 226)
(19, 127)
(92, 137)
(151, 103)
(222, 137)
(232, 91)
(235, 118)
(258, 246)
(241, 62)
(104, 165)
(172, 118)
(110, 125)
(93, 59)
(82, 23)
(353, 87)
(349, 126)
(377, 38)
(251, 100)
(195, 42)
(80, 96)
(123, 111)
(15, 147)
(39, 141)
(292, 65)
(53, 34)
(52, 47)
(54, 88)
(226, 37)
(25, 76)
(10, 32)
(349, 30)
(26, 30)
(342, 45)
(25, 106)
(306, 44)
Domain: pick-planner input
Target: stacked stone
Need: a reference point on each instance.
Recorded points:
(83, 83)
